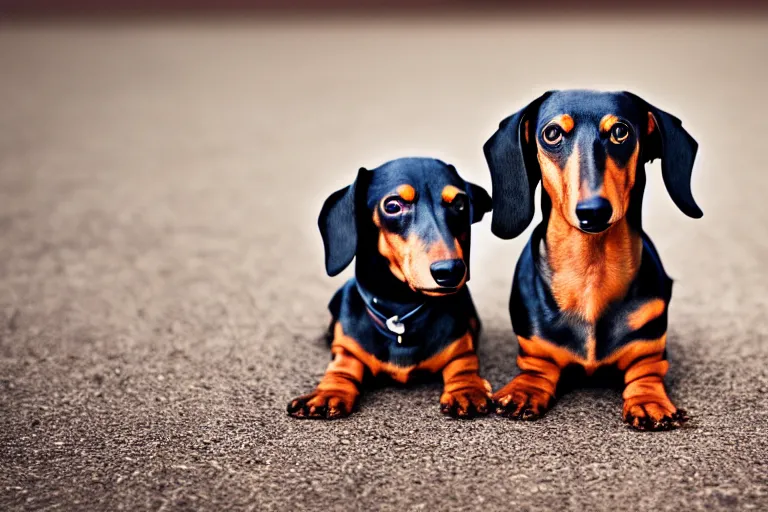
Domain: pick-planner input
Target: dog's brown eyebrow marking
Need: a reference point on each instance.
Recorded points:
(607, 122)
(450, 192)
(565, 122)
(407, 192)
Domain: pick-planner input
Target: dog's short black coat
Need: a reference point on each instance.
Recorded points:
(436, 325)
(407, 310)
(589, 288)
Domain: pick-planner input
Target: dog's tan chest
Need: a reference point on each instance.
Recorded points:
(589, 272)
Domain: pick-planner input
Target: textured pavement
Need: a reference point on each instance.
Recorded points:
(162, 294)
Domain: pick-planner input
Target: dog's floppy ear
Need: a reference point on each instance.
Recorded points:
(338, 224)
(666, 138)
(481, 202)
(515, 172)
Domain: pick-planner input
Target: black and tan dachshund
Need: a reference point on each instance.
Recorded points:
(589, 290)
(407, 311)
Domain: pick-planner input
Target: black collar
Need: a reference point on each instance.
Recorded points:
(393, 326)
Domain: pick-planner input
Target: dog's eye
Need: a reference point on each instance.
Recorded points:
(393, 206)
(619, 133)
(552, 134)
(459, 204)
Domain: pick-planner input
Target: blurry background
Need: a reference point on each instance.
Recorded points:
(37, 8)
(162, 291)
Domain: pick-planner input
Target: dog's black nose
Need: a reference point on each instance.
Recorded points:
(448, 273)
(594, 214)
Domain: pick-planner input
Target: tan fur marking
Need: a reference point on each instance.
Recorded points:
(456, 350)
(565, 122)
(644, 393)
(337, 392)
(440, 251)
(410, 259)
(537, 383)
(618, 182)
(539, 348)
(645, 313)
(591, 271)
(651, 123)
(591, 348)
(562, 185)
(450, 192)
(391, 246)
(607, 122)
(459, 250)
(407, 192)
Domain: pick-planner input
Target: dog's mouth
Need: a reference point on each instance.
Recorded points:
(439, 291)
(431, 285)
(593, 229)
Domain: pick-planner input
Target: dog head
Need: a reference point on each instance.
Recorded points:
(589, 149)
(414, 212)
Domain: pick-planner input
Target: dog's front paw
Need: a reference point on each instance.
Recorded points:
(465, 403)
(327, 405)
(521, 402)
(654, 416)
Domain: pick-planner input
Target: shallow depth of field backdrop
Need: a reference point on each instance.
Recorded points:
(162, 292)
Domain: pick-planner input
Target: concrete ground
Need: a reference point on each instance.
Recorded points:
(162, 293)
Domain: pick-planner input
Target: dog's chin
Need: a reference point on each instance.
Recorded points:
(594, 230)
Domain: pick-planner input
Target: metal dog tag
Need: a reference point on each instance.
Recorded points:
(396, 327)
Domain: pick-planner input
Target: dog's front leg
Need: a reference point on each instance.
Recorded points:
(337, 393)
(465, 393)
(531, 393)
(646, 404)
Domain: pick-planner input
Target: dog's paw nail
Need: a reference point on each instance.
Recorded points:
(654, 423)
(296, 408)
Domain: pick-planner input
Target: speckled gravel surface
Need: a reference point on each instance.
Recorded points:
(162, 294)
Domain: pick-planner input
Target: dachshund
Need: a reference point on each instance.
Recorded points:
(589, 289)
(407, 311)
